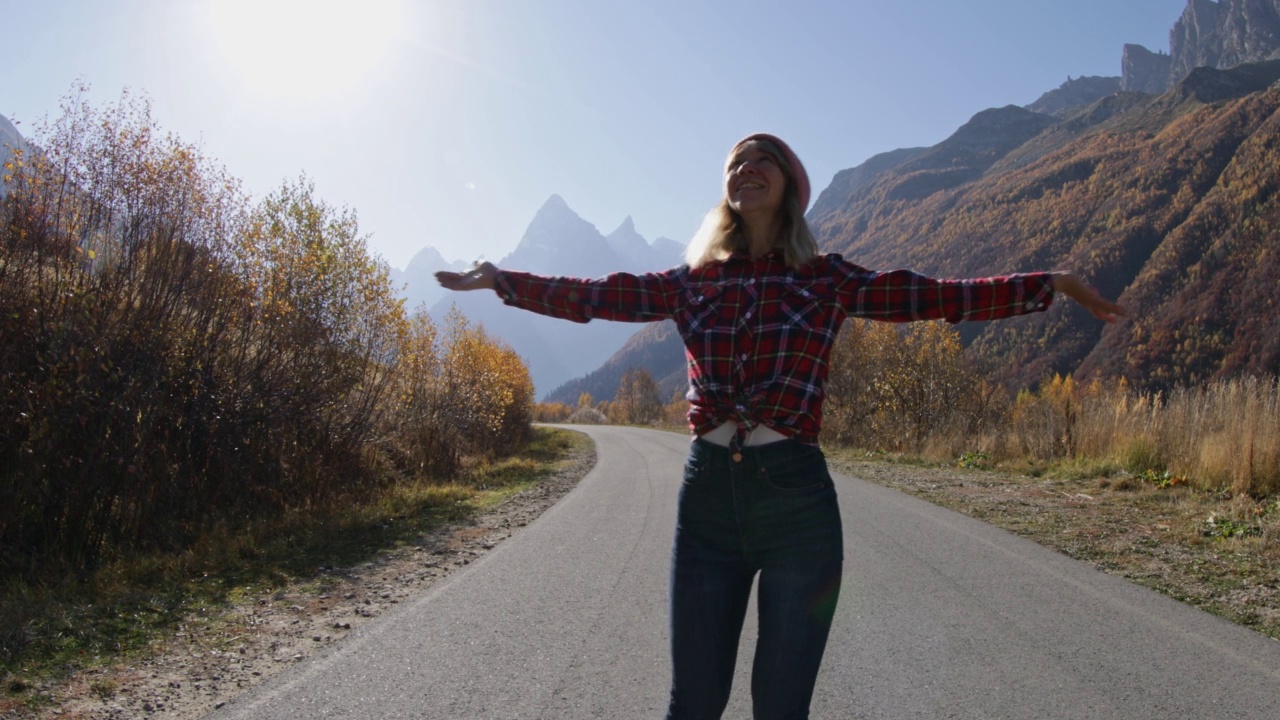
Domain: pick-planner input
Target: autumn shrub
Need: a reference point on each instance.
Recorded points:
(116, 298)
(636, 401)
(588, 416)
(551, 412)
(903, 389)
(675, 413)
(178, 357)
(491, 391)
(458, 392)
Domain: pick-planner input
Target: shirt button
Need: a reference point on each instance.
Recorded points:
(744, 356)
(748, 315)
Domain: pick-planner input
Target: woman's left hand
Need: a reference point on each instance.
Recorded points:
(1073, 287)
(481, 277)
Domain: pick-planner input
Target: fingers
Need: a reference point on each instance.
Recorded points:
(1073, 287)
(1101, 308)
(480, 277)
(1108, 312)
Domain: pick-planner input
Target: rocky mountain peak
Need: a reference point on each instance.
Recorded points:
(554, 222)
(997, 126)
(626, 240)
(426, 257)
(1075, 93)
(628, 227)
(1143, 70)
(554, 207)
(1211, 34)
(1209, 85)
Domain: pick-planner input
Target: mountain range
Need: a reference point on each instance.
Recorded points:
(1159, 186)
(557, 242)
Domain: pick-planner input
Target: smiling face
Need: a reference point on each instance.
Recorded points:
(754, 181)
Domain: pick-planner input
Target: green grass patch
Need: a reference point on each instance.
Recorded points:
(128, 606)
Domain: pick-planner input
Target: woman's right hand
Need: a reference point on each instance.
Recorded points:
(1073, 287)
(481, 277)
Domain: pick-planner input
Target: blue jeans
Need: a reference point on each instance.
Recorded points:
(773, 512)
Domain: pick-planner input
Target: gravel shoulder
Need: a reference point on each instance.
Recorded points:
(221, 653)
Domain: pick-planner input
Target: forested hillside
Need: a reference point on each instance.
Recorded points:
(1168, 203)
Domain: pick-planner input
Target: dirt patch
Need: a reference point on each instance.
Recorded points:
(222, 652)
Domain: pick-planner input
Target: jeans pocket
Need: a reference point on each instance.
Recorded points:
(695, 467)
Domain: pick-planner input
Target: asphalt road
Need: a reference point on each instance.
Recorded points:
(940, 616)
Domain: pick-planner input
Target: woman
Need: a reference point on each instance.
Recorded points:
(758, 308)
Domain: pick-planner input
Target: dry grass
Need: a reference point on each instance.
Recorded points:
(1177, 491)
(1223, 437)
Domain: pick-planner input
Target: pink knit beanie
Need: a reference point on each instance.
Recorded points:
(798, 174)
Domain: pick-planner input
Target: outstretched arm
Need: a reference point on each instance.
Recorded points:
(619, 296)
(1073, 287)
(906, 296)
(481, 277)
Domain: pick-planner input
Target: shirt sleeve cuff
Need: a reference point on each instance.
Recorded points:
(503, 287)
(1043, 297)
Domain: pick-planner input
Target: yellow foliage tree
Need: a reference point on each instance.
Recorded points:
(636, 401)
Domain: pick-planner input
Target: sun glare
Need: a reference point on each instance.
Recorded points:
(305, 49)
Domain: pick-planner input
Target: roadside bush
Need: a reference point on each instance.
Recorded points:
(588, 416)
(552, 412)
(902, 389)
(457, 393)
(178, 357)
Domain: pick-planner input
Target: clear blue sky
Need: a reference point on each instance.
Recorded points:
(450, 122)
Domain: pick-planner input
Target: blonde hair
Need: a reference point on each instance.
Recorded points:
(721, 232)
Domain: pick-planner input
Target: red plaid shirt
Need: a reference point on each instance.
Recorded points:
(757, 333)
